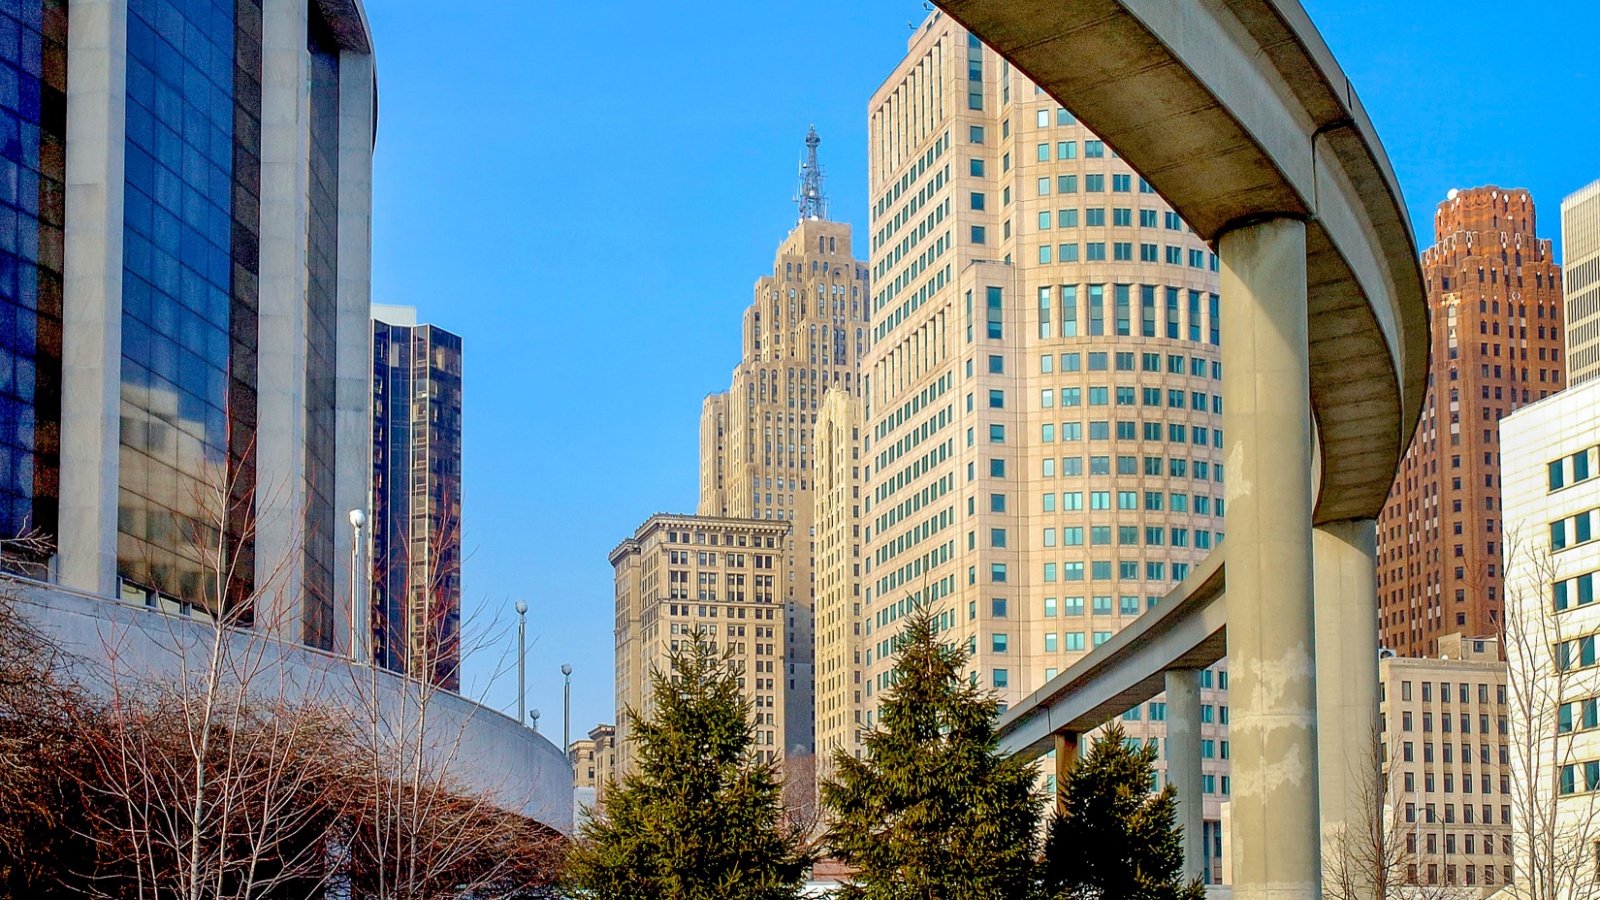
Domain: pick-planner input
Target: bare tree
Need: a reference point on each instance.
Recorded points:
(1555, 802)
(416, 831)
(1380, 857)
(218, 779)
(42, 808)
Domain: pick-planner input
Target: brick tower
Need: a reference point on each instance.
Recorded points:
(1494, 298)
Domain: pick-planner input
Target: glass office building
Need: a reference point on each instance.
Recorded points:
(202, 265)
(416, 497)
(32, 210)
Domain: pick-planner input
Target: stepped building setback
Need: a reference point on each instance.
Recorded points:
(804, 334)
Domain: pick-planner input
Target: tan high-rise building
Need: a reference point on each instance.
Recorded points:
(1494, 295)
(1446, 765)
(1580, 243)
(804, 333)
(679, 574)
(1041, 443)
(837, 489)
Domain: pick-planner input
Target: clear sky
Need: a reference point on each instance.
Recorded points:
(587, 191)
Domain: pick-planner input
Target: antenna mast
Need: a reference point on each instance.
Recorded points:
(812, 202)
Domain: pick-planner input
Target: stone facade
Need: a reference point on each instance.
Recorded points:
(680, 574)
(1446, 764)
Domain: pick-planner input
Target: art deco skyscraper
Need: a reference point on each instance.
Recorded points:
(1580, 241)
(416, 497)
(183, 302)
(1041, 445)
(1494, 293)
(804, 333)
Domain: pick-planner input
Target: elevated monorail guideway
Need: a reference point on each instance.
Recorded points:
(1239, 116)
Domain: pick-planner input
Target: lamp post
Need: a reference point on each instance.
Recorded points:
(358, 520)
(533, 716)
(522, 661)
(566, 708)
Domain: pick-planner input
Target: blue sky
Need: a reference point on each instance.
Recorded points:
(587, 192)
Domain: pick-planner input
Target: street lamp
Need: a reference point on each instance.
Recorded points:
(533, 715)
(358, 520)
(566, 708)
(522, 660)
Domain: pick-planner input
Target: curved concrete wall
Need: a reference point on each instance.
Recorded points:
(479, 749)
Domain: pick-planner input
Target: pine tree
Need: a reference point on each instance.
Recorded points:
(1113, 837)
(701, 818)
(934, 810)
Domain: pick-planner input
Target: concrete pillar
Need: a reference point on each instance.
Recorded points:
(1347, 672)
(1271, 649)
(91, 376)
(281, 350)
(1066, 758)
(1184, 768)
(353, 383)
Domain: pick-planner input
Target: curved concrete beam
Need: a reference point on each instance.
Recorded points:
(1184, 631)
(1236, 111)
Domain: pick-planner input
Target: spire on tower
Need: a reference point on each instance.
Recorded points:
(813, 203)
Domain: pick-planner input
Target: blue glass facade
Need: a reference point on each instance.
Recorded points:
(416, 496)
(32, 211)
(188, 324)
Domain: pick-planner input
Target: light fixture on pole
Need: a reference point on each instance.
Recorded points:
(566, 708)
(533, 716)
(358, 520)
(522, 661)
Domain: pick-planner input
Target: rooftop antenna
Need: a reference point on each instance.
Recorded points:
(812, 202)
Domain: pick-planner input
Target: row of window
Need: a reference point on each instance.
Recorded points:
(1095, 216)
(1408, 753)
(1571, 531)
(1574, 468)
(1460, 723)
(1125, 395)
(1485, 783)
(1176, 364)
(1463, 691)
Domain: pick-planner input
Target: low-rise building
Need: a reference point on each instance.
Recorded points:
(1444, 765)
(724, 577)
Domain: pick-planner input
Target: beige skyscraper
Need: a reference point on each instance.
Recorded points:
(1580, 245)
(837, 489)
(1041, 447)
(804, 333)
(725, 577)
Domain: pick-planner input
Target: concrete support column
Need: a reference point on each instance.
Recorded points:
(281, 351)
(1183, 766)
(91, 376)
(1271, 649)
(1066, 758)
(353, 383)
(1347, 673)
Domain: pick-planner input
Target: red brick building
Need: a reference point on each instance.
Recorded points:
(1494, 298)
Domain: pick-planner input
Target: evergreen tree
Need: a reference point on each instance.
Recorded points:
(701, 818)
(934, 811)
(1114, 839)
